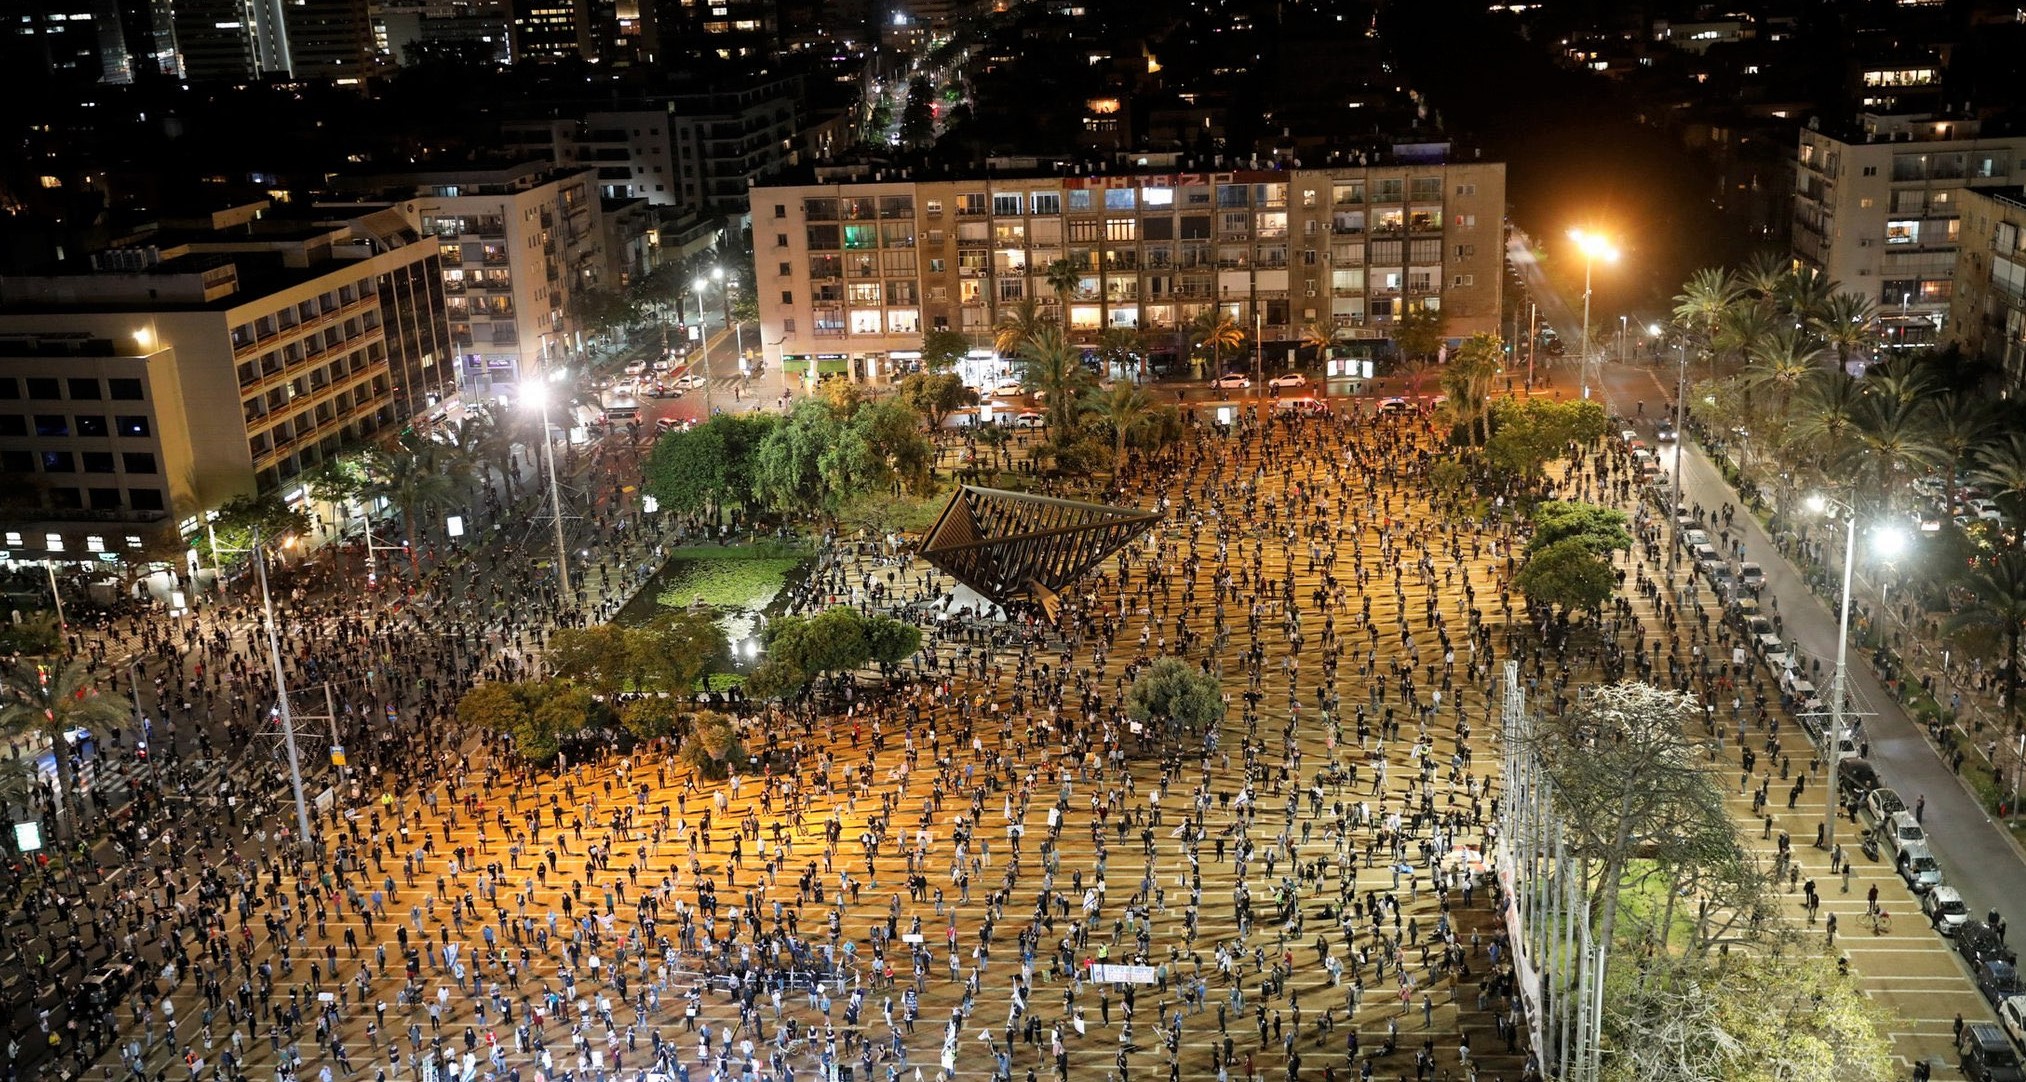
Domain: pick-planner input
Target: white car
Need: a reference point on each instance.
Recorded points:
(1233, 380)
(2012, 1012)
(1395, 405)
(636, 368)
(691, 381)
(1009, 389)
(1288, 379)
(1029, 419)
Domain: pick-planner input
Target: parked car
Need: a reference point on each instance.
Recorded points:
(1986, 1055)
(2012, 1014)
(100, 993)
(1978, 942)
(1917, 865)
(1944, 909)
(690, 381)
(1233, 379)
(1288, 379)
(1997, 981)
(1029, 419)
(1752, 575)
(1902, 830)
(1883, 804)
(1856, 778)
(635, 368)
(1009, 389)
(1394, 405)
(1308, 406)
(663, 391)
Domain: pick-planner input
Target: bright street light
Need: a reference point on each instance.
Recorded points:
(1653, 330)
(1594, 246)
(537, 395)
(1888, 541)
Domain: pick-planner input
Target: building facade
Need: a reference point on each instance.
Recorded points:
(118, 386)
(1987, 312)
(517, 242)
(852, 273)
(1879, 211)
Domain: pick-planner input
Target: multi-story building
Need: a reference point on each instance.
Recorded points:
(853, 271)
(518, 240)
(1987, 312)
(1878, 210)
(698, 152)
(118, 383)
(407, 30)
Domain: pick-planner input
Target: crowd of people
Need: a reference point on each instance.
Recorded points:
(927, 877)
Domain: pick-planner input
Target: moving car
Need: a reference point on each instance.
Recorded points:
(1233, 379)
(1998, 981)
(690, 380)
(636, 367)
(1978, 942)
(1029, 419)
(1307, 406)
(1917, 865)
(1664, 431)
(100, 993)
(1009, 389)
(1288, 379)
(1985, 1054)
(662, 391)
(1944, 908)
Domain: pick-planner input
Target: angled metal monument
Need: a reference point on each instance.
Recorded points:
(1010, 545)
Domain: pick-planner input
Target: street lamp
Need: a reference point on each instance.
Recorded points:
(539, 394)
(1680, 458)
(1889, 541)
(1594, 246)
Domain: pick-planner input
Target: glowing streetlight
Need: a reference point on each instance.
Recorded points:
(1888, 541)
(537, 395)
(1594, 246)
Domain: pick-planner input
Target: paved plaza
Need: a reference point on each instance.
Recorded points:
(924, 875)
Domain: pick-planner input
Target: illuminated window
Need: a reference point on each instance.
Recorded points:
(94, 543)
(53, 542)
(1158, 197)
(1905, 231)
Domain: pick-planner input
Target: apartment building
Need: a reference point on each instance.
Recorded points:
(1987, 312)
(517, 241)
(698, 152)
(1878, 209)
(853, 271)
(119, 384)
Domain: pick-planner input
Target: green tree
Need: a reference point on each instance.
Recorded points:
(601, 312)
(46, 699)
(1319, 335)
(1174, 696)
(1602, 530)
(711, 465)
(669, 653)
(918, 117)
(412, 476)
(1467, 380)
(1848, 324)
(1119, 349)
(244, 519)
(833, 640)
(1053, 366)
(1527, 434)
(339, 480)
(713, 748)
(1129, 411)
(1420, 331)
(1568, 576)
(1217, 330)
(1019, 324)
(1747, 1017)
(943, 348)
(891, 641)
(787, 471)
(1062, 276)
(650, 717)
(935, 396)
(1996, 605)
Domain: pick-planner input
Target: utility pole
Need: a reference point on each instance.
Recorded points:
(302, 811)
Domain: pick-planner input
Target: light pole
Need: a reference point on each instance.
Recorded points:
(1887, 540)
(540, 393)
(1594, 247)
(302, 811)
(1680, 458)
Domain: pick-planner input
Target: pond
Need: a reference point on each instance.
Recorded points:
(738, 584)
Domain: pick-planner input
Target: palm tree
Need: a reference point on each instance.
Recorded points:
(2001, 467)
(1215, 328)
(1466, 379)
(1805, 292)
(1762, 274)
(1997, 595)
(1119, 347)
(1319, 335)
(1848, 323)
(49, 699)
(1017, 325)
(1892, 443)
(1958, 424)
(1827, 420)
(1781, 361)
(1053, 365)
(1128, 410)
(1063, 277)
(1703, 299)
(1742, 328)
(414, 479)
